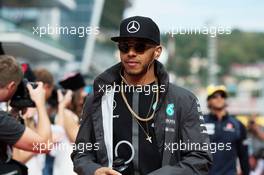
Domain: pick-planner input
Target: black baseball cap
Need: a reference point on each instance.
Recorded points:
(73, 82)
(138, 27)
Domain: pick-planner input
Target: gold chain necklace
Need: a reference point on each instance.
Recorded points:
(133, 112)
(135, 115)
(146, 133)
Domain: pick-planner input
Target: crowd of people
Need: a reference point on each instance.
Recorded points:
(49, 126)
(44, 124)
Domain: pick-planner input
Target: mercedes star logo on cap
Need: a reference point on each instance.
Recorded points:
(138, 27)
(133, 27)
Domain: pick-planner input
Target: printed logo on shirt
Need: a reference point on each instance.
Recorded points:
(210, 128)
(170, 121)
(201, 118)
(129, 145)
(170, 109)
(203, 129)
(114, 106)
(198, 106)
(169, 129)
(229, 127)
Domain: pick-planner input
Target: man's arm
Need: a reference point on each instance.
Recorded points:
(40, 140)
(192, 161)
(21, 155)
(84, 160)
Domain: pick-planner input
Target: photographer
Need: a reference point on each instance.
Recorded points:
(34, 162)
(12, 133)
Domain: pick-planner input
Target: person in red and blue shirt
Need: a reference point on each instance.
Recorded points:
(225, 129)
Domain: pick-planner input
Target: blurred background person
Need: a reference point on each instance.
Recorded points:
(45, 76)
(256, 159)
(256, 162)
(255, 129)
(39, 162)
(224, 128)
(62, 161)
(35, 163)
(64, 120)
(74, 82)
(67, 103)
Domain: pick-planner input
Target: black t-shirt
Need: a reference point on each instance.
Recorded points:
(10, 132)
(149, 158)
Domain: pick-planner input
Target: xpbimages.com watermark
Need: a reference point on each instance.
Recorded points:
(146, 89)
(80, 31)
(192, 146)
(212, 31)
(80, 147)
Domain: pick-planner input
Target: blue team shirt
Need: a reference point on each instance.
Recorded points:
(230, 133)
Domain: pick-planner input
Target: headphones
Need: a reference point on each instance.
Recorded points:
(120, 164)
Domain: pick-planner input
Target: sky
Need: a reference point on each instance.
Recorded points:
(247, 15)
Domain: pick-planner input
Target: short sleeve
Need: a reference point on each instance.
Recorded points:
(10, 129)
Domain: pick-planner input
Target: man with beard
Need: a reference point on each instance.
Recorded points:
(225, 129)
(132, 131)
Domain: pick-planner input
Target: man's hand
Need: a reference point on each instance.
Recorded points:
(38, 94)
(106, 171)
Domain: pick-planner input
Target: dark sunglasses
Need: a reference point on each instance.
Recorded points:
(216, 95)
(139, 47)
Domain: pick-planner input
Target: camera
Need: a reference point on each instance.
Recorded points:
(53, 100)
(21, 98)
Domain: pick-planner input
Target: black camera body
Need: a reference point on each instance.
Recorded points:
(21, 98)
(53, 99)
